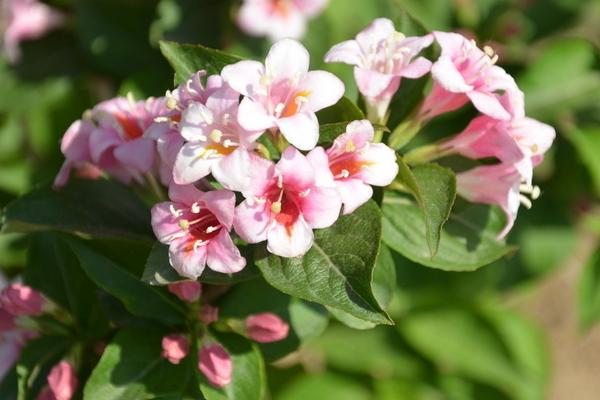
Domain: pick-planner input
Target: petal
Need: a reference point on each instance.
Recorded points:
(287, 59)
(360, 132)
(380, 29)
(222, 204)
(452, 43)
(445, 73)
(321, 207)
(320, 162)
(488, 104)
(417, 68)
(295, 169)
(101, 140)
(348, 52)
(253, 116)
(533, 136)
(290, 241)
(262, 173)
(195, 122)
(251, 221)
(138, 153)
(372, 83)
(324, 88)
(253, 18)
(184, 194)
(223, 100)
(292, 26)
(243, 76)
(354, 193)
(186, 260)
(223, 255)
(234, 170)
(164, 224)
(189, 166)
(381, 168)
(311, 8)
(75, 142)
(301, 130)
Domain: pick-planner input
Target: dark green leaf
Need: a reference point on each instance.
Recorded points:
(434, 188)
(132, 368)
(158, 271)
(343, 110)
(187, 59)
(337, 271)
(248, 380)
(99, 208)
(138, 297)
(467, 242)
(328, 132)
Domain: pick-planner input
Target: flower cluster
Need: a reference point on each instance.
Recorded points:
(214, 361)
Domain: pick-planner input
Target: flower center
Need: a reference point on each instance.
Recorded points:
(281, 7)
(203, 227)
(283, 203)
(346, 163)
(131, 129)
(293, 105)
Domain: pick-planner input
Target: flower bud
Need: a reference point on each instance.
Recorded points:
(266, 328)
(208, 314)
(20, 299)
(187, 290)
(175, 348)
(215, 364)
(62, 381)
(7, 320)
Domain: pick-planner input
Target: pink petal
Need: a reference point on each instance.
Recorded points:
(321, 207)
(417, 68)
(189, 167)
(382, 167)
(301, 130)
(445, 73)
(253, 116)
(290, 241)
(186, 260)
(102, 140)
(244, 76)
(372, 83)
(354, 193)
(287, 59)
(311, 8)
(234, 170)
(380, 29)
(295, 169)
(251, 221)
(215, 364)
(320, 162)
(223, 254)
(488, 104)
(184, 194)
(222, 204)
(324, 89)
(164, 224)
(348, 52)
(195, 122)
(139, 154)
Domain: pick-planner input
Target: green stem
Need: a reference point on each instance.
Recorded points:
(404, 133)
(155, 187)
(426, 153)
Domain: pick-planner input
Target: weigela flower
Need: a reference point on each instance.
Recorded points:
(278, 19)
(500, 185)
(283, 94)
(515, 142)
(284, 204)
(208, 314)
(196, 227)
(62, 381)
(382, 57)
(175, 348)
(193, 90)
(11, 343)
(354, 163)
(19, 299)
(215, 364)
(112, 138)
(215, 141)
(187, 290)
(266, 328)
(463, 73)
(26, 20)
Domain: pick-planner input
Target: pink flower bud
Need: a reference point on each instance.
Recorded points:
(208, 314)
(175, 348)
(266, 328)
(7, 320)
(215, 364)
(187, 290)
(20, 299)
(62, 381)
(46, 394)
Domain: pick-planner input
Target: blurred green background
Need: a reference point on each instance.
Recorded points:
(522, 328)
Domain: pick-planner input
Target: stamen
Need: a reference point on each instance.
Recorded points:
(350, 146)
(211, 229)
(260, 200)
(199, 243)
(161, 119)
(189, 88)
(279, 108)
(174, 212)
(276, 207)
(195, 208)
(206, 116)
(305, 193)
(280, 181)
(265, 80)
(525, 201)
(215, 135)
(535, 193)
(229, 143)
(184, 224)
(226, 119)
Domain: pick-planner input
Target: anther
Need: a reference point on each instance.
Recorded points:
(195, 208)
(211, 229)
(215, 135)
(184, 224)
(276, 207)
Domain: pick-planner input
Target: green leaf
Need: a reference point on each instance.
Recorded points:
(187, 59)
(343, 110)
(306, 320)
(587, 143)
(248, 380)
(132, 368)
(434, 188)
(467, 242)
(589, 291)
(337, 271)
(139, 298)
(158, 270)
(98, 208)
(328, 385)
(328, 132)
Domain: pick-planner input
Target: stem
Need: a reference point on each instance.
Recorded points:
(426, 153)
(404, 133)
(155, 186)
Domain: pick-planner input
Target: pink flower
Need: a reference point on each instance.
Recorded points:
(20, 299)
(266, 328)
(196, 227)
(187, 290)
(193, 91)
(11, 343)
(112, 137)
(283, 94)
(215, 141)
(515, 142)
(500, 185)
(284, 204)
(465, 73)
(215, 364)
(62, 381)
(175, 348)
(26, 20)
(353, 163)
(381, 57)
(208, 314)
(7, 321)
(278, 19)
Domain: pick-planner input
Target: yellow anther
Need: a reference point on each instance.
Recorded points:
(350, 146)
(215, 135)
(276, 207)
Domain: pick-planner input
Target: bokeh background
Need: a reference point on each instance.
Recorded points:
(522, 328)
